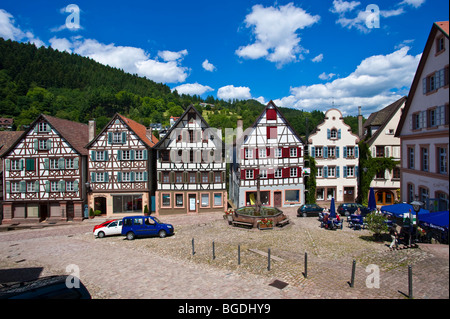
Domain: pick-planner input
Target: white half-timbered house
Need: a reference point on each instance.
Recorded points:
(335, 150)
(272, 150)
(45, 172)
(190, 168)
(120, 168)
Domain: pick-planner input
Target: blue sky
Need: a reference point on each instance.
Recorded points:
(308, 55)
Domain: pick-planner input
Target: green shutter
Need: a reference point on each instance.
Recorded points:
(46, 163)
(36, 186)
(145, 154)
(8, 187)
(36, 145)
(21, 164)
(106, 177)
(106, 155)
(7, 164)
(49, 144)
(109, 138)
(92, 177)
(62, 186)
(145, 176)
(76, 163)
(47, 186)
(93, 156)
(119, 177)
(119, 155)
(75, 185)
(124, 137)
(61, 163)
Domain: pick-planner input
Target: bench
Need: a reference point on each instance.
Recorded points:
(242, 224)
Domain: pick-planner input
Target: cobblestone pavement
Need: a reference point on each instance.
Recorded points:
(165, 268)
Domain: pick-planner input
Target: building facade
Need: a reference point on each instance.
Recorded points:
(191, 168)
(120, 168)
(335, 150)
(379, 134)
(45, 172)
(424, 126)
(271, 150)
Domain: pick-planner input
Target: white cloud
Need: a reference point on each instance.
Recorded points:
(230, 92)
(192, 88)
(340, 6)
(325, 76)
(275, 31)
(377, 81)
(172, 56)
(8, 30)
(413, 3)
(61, 44)
(318, 58)
(208, 66)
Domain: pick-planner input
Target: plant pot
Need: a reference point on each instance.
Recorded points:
(262, 227)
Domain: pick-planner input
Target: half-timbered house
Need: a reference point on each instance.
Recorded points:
(45, 172)
(190, 168)
(271, 150)
(120, 168)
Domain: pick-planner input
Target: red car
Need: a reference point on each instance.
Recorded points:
(103, 224)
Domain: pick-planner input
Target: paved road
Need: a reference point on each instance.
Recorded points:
(115, 269)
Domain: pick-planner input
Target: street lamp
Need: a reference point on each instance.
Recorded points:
(417, 205)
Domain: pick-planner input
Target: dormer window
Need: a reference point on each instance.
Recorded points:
(333, 134)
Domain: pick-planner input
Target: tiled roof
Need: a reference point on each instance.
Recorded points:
(443, 25)
(140, 131)
(7, 138)
(76, 134)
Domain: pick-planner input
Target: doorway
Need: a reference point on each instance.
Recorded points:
(349, 194)
(192, 203)
(277, 199)
(100, 204)
(43, 212)
(70, 211)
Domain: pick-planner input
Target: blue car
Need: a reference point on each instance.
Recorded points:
(142, 226)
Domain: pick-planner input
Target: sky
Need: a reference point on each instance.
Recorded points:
(308, 55)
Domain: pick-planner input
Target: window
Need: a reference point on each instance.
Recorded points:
(320, 193)
(424, 156)
(350, 171)
(333, 134)
(380, 151)
(248, 153)
(319, 172)
(117, 137)
(43, 144)
(166, 200)
(380, 174)
(293, 171)
(331, 152)
(423, 194)
(165, 156)
(278, 173)
(139, 154)
(31, 187)
(318, 152)
(442, 160)
(139, 176)
(262, 153)
(440, 44)
(70, 163)
(70, 187)
(54, 163)
(205, 200)
(435, 81)
(128, 204)
(42, 127)
(126, 177)
(249, 174)
(165, 177)
(178, 177)
(279, 153)
(272, 132)
(396, 173)
(350, 151)
(432, 118)
(54, 186)
(293, 152)
(263, 173)
(410, 158)
(179, 200)
(410, 193)
(331, 171)
(192, 178)
(126, 155)
(217, 177)
(218, 199)
(15, 187)
(205, 178)
(16, 165)
(292, 195)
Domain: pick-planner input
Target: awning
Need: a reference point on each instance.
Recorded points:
(437, 220)
(398, 210)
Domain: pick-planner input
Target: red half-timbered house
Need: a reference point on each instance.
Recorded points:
(45, 172)
(272, 150)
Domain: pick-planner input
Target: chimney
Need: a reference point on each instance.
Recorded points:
(91, 130)
(360, 126)
(240, 129)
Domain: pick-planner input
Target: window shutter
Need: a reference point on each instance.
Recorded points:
(106, 177)
(36, 186)
(299, 152)
(132, 155)
(132, 176)
(198, 135)
(242, 173)
(23, 186)
(313, 153)
(61, 163)
(109, 137)
(325, 152)
(49, 144)
(75, 186)
(144, 154)
(48, 128)
(8, 187)
(285, 172)
(328, 133)
(356, 152)
(7, 164)
(285, 152)
(160, 177)
(21, 166)
(345, 171)
(145, 175)
(76, 164)
(124, 137)
(119, 155)
(339, 134)
(47, 186)
(46, 163)
(36, 128)
(119, 177)
(92, 177)
(345, 151)
(337, 152)
(424, 85)
(337, 171)
(325, 171)
(36, 145)
(356, 171)
(62, 186)
(93, 156)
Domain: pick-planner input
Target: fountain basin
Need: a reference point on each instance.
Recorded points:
(249, 216)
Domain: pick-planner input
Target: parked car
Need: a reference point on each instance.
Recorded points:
(110, 229)
(308, 210)
(348, 209)
(140, 226)
(103, 224)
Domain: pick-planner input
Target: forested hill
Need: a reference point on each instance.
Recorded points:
(43, 80)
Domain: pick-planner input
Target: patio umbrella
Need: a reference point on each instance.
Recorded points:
(372, 203)
(398, 210)
(332, 209)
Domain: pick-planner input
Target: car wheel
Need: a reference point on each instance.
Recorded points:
(100, 234)
(162, 233)
(130, 235)
(305, 215)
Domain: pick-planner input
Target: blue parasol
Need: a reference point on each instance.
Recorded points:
(372, 203)
(398, 210)
(332, 209)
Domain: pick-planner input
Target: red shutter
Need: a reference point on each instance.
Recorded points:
(285, 152)
(271, 132)
(285, 172)
(270, 173)
(299, 171)
(299, 152)
(269, 153)
(271, 114)
(255, 173)
(242, 153)
(242, 173)
(256, 152)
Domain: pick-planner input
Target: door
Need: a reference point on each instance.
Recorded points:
(114, 228)
(43, 212)
(192, 203)
(349, 194)
(70, 211)
(151, 227)
(277, 199)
